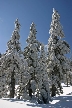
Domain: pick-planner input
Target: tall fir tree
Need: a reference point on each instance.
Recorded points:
(11, 63)
(31, 56)
(57, 48)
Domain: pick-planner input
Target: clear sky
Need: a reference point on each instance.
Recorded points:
(38, 11)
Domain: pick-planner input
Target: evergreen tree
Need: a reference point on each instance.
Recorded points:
(43, 83)
(11, 63)
(31, 56)
(57, 48)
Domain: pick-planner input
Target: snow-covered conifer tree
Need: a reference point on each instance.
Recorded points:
(43, 83)
(57, 48)
(11, 61)
(31, 56)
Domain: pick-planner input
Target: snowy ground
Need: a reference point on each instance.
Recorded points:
(62, 101)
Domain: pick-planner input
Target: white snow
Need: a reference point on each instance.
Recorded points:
(62, 101)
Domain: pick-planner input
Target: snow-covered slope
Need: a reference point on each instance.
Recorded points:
(62, 101)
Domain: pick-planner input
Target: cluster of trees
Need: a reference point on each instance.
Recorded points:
(31, 74)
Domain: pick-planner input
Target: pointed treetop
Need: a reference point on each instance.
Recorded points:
(32, 28)
(56, 27)
(17, 25)
(55, 15)
(53, 10)
(13, 44)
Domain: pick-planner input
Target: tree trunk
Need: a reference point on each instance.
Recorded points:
(53, 91)
(30, 90)
(60, 87)
(70, 76)
(12, 85)
(67, 79)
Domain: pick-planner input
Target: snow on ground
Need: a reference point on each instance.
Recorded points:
(62, 101)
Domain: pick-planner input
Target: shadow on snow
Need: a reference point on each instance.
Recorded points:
(58, 102)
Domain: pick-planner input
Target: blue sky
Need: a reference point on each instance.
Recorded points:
(39, 11)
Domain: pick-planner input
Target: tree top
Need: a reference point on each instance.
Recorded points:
(17, 25)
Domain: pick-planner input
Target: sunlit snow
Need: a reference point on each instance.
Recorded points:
(62, 101)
